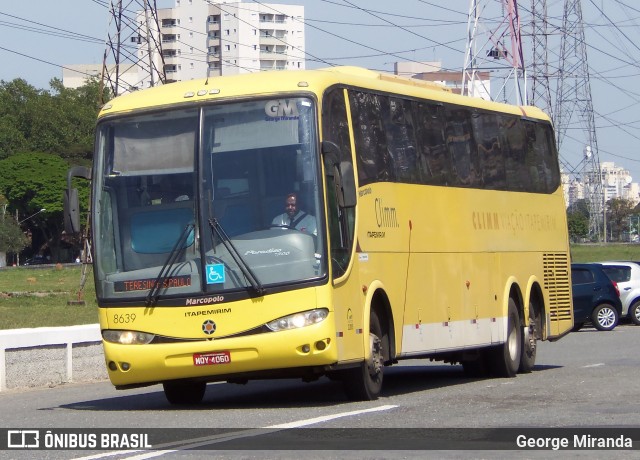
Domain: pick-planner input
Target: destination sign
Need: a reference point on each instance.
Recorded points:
(146, 284)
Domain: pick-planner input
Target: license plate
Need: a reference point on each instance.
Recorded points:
(210, 359)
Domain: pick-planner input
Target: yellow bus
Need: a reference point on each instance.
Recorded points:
(322, 223)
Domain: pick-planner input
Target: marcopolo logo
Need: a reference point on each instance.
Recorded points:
(281, 109)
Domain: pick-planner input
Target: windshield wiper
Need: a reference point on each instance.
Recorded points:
(216, 229)
(154, 292)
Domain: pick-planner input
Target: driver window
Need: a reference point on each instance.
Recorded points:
(340, 220)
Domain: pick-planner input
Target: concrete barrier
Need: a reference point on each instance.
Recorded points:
(47, 356)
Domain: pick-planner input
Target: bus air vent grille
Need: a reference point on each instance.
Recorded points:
(558, 285)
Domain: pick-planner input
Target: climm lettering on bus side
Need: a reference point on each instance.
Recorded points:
(386, 216)
(513, 221)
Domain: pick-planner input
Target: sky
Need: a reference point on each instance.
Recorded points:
(39, 37)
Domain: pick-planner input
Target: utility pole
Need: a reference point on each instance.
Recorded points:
(496, 47)
(133, 57)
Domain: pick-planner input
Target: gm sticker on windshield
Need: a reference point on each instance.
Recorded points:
(281, 110)
(215, 273)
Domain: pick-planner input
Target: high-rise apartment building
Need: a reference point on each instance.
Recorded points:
(616, 183)
(201, 38)
(217, 37)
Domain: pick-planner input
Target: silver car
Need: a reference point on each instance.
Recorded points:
(627, 275)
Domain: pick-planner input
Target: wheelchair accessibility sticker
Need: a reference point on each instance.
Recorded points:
(215, 274)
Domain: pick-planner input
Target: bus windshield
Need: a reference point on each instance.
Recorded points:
(208, 199)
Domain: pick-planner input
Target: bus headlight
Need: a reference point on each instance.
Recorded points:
(297, 320)
(127, 337)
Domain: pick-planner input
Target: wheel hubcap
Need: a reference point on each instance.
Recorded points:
(513, 345)
(375, 361)
(530, 337)
(606, 317)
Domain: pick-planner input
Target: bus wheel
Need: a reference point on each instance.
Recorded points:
(184, 392)
(529, 342)
(505, 358)
(364, 382)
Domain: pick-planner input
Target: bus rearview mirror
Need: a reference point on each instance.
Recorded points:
(71, 202)
(345, 185)
(71, 211)
(331, 152)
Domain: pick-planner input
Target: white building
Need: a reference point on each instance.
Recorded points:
(616, 183)
(76, 75)
(202, 38)
(432, 71)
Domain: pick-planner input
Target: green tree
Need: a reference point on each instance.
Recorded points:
(15, 123)
(580, 206)
(80, 107)
(59, 121)
(618, 212)
(578, 226)
(11, 138)
(11, 237)
(35, 181)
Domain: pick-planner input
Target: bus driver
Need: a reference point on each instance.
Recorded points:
(294, 218)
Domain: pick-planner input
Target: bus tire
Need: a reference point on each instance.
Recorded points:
(364, 383)
(504, 359)
(184, 392)
(529, 341)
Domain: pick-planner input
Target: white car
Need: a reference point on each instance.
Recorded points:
(627, 276)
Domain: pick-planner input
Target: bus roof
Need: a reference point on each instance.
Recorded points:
(291, 81)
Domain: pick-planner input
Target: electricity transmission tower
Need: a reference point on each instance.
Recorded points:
(561, 88)
(495, 46)
(133, 54)
(539, 74)
(574, 106)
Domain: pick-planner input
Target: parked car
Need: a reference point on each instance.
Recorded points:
(596, 299)
(627, 275)
(36, 260)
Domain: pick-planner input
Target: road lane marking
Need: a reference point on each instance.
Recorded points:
(207, 440)
(593, 365)
(312, 421)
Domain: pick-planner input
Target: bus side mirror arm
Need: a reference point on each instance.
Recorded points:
(71, 202)
(343, 174)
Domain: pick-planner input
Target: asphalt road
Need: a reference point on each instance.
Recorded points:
(587, 380)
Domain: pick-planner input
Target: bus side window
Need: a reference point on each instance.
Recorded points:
(462, 149)
(401, 140)
(513, 134)
(368, 112)
(432, 159)
(486, 131)
(541, 158)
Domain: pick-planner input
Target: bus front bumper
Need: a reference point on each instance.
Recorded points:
(222, 359)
